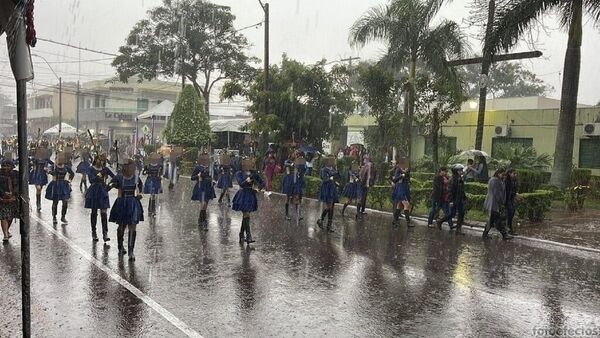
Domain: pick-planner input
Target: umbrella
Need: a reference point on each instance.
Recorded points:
(308, 149)
(473, 153)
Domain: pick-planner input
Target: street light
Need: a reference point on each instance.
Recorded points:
(59, 93)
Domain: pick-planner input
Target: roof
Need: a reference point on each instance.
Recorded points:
(164, 108)
(516, 103)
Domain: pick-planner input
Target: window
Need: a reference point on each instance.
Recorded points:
(88, 104)
(103, 103)
(97, 101)
(142, 104)
(522, 141)
(446, 145)
(589, 149)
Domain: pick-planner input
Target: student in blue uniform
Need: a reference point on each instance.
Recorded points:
(225, 181)
(245, 199)
(400, 179)
(82, 168)
(60, 187)
(38, 174)
(294, 184)
(153, 184)
(127, 209)
(352, 189)
(172, 164)
(328, 193)
(96, 197)
(203, 190)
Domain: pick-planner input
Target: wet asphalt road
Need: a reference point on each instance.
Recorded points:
(365, 280)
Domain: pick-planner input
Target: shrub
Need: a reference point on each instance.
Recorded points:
(476, 188)
(415, 183)
(149, 148)
(187, 167)
(595, 186)
(574, 197)
(427, 185)
(191, 154)
(419, 196)
(557, 194)
(379, 195)
(533, 206)
(423, 176)
(581, 177)
(474, 202)
(529, 180)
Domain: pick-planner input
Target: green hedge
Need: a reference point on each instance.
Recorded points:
(530, 180)
(191, 154)
(424, 177)
(474, 202)
(187, 167)
(533, 206)
(557, 194)
(476, 188)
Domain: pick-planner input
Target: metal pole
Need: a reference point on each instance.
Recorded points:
(153, 143)
(77, 111)
(59, 106)
(266, 65)
(135, 142)
(228, 146)
(24, 204)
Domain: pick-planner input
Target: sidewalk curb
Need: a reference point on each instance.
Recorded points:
(478, 227)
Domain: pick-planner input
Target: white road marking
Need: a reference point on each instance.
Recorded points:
(183, 327)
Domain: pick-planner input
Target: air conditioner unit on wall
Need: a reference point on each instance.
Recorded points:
(502, 130)
(591, 129)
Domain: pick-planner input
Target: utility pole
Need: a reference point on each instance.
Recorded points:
(59, 106)
(266, 57)
(77, 110)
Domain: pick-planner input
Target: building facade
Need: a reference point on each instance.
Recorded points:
(44, 106)
(529, 121)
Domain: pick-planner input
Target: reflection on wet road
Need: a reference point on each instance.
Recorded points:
(365, 280)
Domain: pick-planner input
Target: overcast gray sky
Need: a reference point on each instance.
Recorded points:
(307, 30)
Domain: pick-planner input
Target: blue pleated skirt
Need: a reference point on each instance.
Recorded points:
(328, 193)
(153, 185)
(245, 201)
(224, 182)
(352, 191)
(83, 167)
(58, 191)
(96, 197)
(127, 211)
(203, 191)
(401, 192)
(39, 177)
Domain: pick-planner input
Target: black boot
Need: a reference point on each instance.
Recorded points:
(120, 237)
(131, 244)
(459, 224)
(221, 198)
(358, 214)
(287, 212)
(81, 185)
(54, 212)
(205, 220)
(228, 200)
(396, 216)
(486, 230)
(93, 221)
(104, 219)
(323, 214)
(344, 209)
(249, 239)
(407, 218)
(299, 212)
(330, 226)
(38, 202)
(63, 213)
(200, 219)
(242, 230)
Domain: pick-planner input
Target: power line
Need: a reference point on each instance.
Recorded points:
(77, 47)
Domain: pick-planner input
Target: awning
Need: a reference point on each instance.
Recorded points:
(67, 129)
(164, 108)
(233, 125)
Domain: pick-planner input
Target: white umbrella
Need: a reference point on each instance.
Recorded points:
(474, 152)
(66, 129)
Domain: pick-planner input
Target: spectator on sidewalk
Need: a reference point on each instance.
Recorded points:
(456, 197)
(511, 187)
(470, 171)
(494, 202)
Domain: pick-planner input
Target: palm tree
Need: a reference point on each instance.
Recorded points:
(513, 21)
(405, 27)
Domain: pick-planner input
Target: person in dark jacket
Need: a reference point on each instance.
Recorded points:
(456, 197)
(494, 202)
(9, 204)
(439, 198)
(511, 187)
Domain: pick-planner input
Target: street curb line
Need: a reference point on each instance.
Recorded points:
(479, 228)
(183, 327)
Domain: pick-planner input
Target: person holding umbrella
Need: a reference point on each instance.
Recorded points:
(494, 201)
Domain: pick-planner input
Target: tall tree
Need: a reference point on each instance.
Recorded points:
(438, 99)
(305, 102)
(405, 26)
(513, 21)
(188, 124)
(192, 39)
(505, 79)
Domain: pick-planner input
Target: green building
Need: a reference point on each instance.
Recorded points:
(529, 121)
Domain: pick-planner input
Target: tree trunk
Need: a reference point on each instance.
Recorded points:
(411, 107)
(565, 133)
(485, 69)
(206, 97)
(435, 140)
